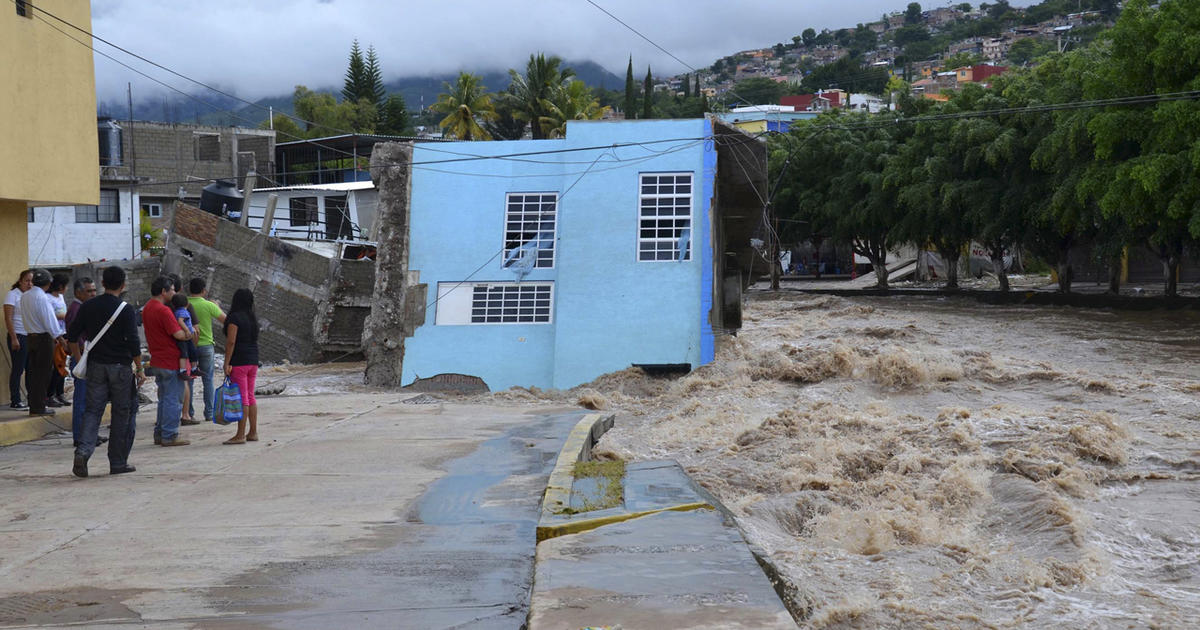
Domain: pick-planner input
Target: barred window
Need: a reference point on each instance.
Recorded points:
(511, 303)
(529, 223)
(107, 212)
(665, 216)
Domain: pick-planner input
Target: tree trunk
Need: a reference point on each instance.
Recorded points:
(817, 258)
(997, 256)
(878, 256)
(1114, 275)
(1066, 272)
(385, 328)
(1171, 270)
(951, 260)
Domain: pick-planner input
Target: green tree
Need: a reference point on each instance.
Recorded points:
(505, 126)
(912, 15)
(575, 101)
(648, 96)
(1156, 180)
(375, 91)
(809, 36)
(357, 83)
(758, 91)
(326, 116)
(960, 60)
(532, 95)
(1026, 50)
(464, 104)
(630, 105)
(847, 74)
(393, 117)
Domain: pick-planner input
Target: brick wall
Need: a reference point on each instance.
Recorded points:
(309, 306)
(170, 154)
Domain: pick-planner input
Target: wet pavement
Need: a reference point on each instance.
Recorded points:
(352, 512)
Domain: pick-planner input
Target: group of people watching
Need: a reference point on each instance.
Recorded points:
(178, 331)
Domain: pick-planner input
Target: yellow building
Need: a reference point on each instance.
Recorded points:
(49, 152)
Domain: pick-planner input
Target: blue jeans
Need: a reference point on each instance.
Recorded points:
(78, 404)
(110, 383)
(166, 425)
(205, 363)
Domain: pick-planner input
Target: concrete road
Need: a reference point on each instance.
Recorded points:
(353, 511)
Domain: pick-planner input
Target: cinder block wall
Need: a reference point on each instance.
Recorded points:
(308, 306)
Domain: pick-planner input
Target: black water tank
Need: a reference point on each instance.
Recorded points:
(220, 198)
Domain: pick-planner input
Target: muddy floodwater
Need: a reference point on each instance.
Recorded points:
(918, 462)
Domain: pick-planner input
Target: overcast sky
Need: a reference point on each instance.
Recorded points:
(262, 48)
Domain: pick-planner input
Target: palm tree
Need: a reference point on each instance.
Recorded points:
(465, 104)
(533, 94)
(574, 102)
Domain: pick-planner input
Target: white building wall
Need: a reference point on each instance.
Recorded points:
(56, 239)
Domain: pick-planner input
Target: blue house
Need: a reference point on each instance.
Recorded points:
(551, 262)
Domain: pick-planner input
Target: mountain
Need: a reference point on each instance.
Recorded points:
(417, 92)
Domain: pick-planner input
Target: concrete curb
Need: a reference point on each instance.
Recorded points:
(35, 427)
(548, 531)
(578, 447)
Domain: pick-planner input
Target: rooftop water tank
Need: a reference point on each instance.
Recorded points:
(221, 198)
(110, 142)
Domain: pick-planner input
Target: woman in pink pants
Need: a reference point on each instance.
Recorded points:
(241, 360)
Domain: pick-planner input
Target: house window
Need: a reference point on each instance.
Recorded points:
(208, 146)
(107, 212)
(665, 217)
(482, 303)
(152, 210)
(337, 218)
(511, 303)
(24, 8)
(302, 210)
(529, 224)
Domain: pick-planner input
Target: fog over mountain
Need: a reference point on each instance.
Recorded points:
(259, 49)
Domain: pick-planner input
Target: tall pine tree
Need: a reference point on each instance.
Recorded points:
(697, 93)
(630, 92)
(648, 98)
(357, 82)
(375, 91)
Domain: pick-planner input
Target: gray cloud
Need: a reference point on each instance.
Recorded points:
(260, 49)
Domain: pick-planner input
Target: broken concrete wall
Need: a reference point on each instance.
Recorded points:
(308, 305)
(138, 276)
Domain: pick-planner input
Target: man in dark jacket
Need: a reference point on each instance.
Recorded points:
(114, 372)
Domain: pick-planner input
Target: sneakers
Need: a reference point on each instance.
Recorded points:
(188, 421)
(18, 405)
(44, 412)
(80, 467)
(178, 441)
(53, 403)
(62, 401)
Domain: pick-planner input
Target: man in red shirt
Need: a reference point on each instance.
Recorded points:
(162, 331)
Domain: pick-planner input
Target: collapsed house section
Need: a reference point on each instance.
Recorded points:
(311, 307)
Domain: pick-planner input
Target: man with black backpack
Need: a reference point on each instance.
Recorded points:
(114, 372)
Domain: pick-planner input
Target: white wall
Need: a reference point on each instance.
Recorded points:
(56, 239)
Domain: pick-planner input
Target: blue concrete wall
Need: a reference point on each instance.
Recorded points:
(610, 310)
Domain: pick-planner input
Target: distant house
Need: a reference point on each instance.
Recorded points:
(972, 46)
(320, 213)
(548, 272)
(109, 230)
(942, 16)
(819, 102)
(762, 118)
(978, 74)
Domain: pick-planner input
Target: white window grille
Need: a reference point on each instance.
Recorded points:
(511, 303)
(529, 229)
(665, 216)
(152, 210)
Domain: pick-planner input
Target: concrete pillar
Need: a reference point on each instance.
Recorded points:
(384, 331)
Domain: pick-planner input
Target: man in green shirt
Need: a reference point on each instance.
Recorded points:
(204, 311)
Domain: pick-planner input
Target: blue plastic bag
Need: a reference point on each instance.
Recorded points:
(227, 401)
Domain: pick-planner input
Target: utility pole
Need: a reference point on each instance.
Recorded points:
(269, 214)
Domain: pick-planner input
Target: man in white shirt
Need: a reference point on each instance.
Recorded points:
(42, 332)
(16, 336)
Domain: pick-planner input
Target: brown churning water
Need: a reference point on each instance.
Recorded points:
(921, 462)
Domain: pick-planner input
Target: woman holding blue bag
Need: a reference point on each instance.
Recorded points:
(241, 360)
